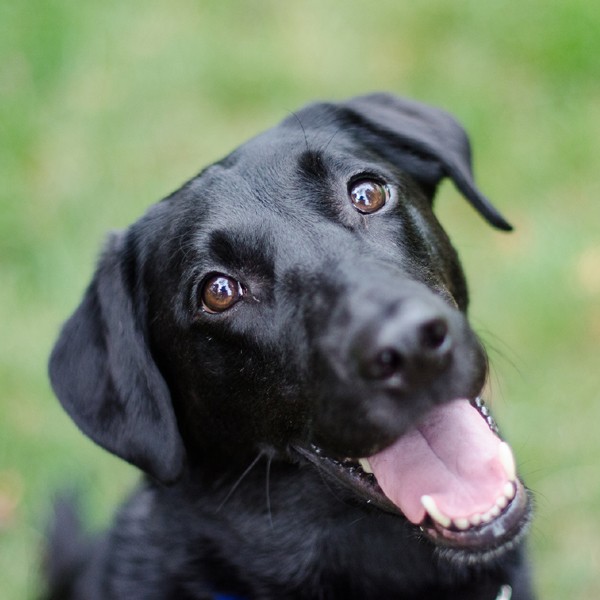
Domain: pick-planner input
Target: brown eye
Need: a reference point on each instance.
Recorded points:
(368, 196)
(220, 292)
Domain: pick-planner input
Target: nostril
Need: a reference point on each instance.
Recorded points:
(386, 363)
(405, 349)
(433, 334)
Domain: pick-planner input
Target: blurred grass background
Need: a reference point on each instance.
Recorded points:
(108, 106)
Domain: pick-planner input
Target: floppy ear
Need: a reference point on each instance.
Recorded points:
(426, 142)
(103, 374)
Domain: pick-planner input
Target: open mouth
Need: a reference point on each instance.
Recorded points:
(452, 475)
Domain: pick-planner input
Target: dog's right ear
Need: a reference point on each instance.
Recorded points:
(103, 373)
(428, 143)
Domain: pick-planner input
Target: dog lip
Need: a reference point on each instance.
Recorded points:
(501, 532)
(350, 473)
(505, 529)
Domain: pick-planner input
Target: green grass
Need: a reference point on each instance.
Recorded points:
(105, 107)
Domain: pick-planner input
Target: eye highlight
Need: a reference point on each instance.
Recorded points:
(368, 196)
(220, 292)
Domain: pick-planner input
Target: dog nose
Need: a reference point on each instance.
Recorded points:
(413, 345)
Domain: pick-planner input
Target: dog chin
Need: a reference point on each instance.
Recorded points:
(452, 476)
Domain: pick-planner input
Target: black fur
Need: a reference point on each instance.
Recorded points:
(213, 407)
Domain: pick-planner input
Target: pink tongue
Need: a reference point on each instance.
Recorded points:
(452, 456)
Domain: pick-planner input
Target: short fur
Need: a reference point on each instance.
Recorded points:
(214, 407)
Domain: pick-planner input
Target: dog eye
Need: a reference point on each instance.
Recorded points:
(368, 196)
(219, 293)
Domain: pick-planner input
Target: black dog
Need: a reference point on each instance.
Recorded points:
(281, 345)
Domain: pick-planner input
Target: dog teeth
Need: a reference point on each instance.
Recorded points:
(434, 512)
(364, 463)
(502, 502)
(486, 517)
(509, 490)
(508, 461)
(463, 523)
(491, 514)
(475, 520)
(508, 493)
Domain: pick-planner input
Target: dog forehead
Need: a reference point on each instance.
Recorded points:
(268, 176)
(280, 166)
(317, 129)
(242, 210)
(288, 183)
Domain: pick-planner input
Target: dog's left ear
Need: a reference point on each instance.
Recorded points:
(105, 377)
(426, 142)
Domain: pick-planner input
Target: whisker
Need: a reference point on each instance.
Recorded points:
(499, 348)
(356, 520)
(267, 485)
(331, 139)
(240, 479)
(303, 130)
(329, 487)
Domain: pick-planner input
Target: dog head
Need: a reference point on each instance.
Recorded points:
(300, 295)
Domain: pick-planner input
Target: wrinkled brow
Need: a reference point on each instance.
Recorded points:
(243, 250)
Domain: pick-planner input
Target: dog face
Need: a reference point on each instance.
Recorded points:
(301, 297)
